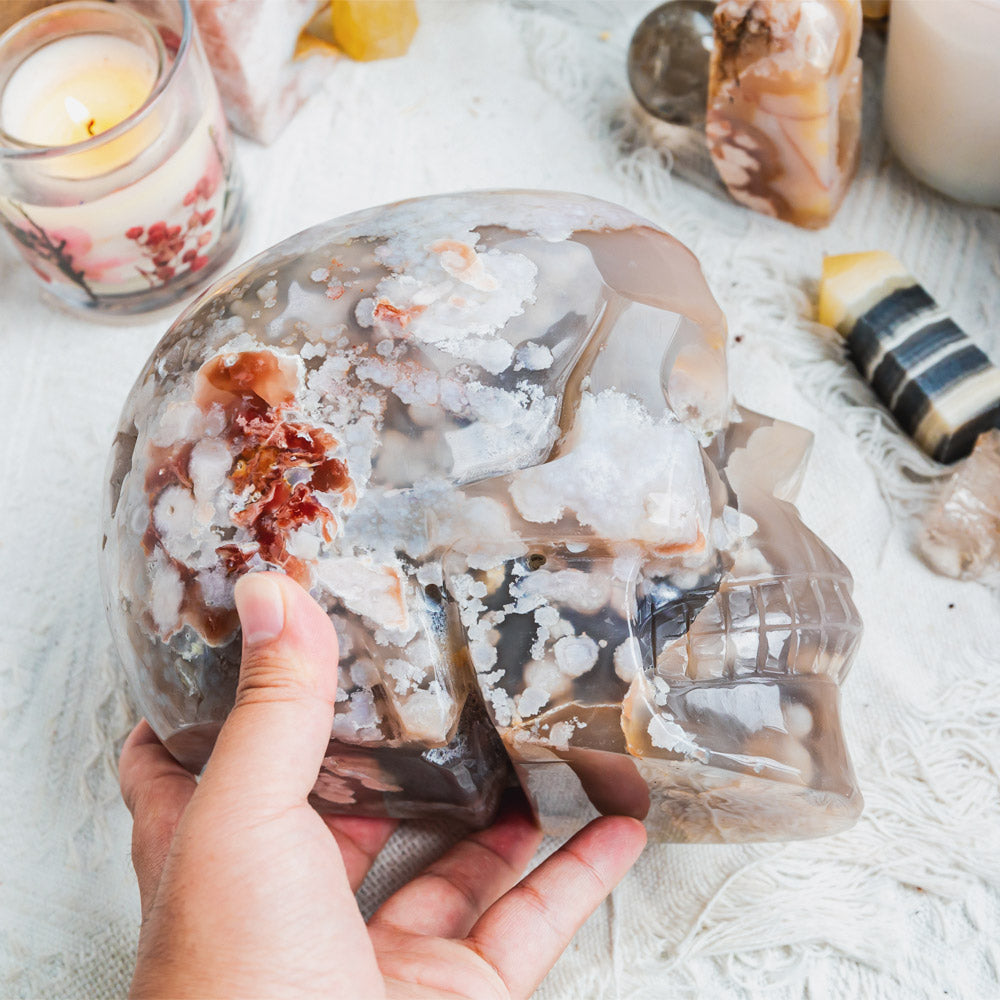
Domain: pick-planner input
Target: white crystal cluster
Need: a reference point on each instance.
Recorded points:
(491, 434)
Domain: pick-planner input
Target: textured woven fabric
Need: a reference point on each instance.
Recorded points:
(906, 904)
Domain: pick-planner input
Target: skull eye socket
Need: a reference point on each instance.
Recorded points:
(536, 560)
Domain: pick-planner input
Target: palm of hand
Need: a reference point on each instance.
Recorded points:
(247, 891)
(284, 896)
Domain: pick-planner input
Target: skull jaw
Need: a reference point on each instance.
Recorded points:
(769, 786)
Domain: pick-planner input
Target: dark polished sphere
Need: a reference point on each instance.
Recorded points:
(668, 61)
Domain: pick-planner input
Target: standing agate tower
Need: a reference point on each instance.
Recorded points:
(491, 434)
(784, 104)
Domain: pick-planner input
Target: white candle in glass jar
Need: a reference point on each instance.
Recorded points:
(942, 86)
(141, 202)
(146, 232)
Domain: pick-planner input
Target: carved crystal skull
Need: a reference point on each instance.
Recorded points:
(491, 433)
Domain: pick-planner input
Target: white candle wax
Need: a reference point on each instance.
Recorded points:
(942, 82)
(75, 88)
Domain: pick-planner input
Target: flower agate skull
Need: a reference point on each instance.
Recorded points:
(492, 434)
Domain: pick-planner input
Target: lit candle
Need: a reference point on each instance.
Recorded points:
(115, 176)
(76, 88)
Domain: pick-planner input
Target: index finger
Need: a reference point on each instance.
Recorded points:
(156, 790)
(526, 930)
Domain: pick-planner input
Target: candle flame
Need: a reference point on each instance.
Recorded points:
(76, 110)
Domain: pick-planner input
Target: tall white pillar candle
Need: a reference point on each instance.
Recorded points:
(942, 88)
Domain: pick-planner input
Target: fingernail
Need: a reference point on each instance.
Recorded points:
(260, 607)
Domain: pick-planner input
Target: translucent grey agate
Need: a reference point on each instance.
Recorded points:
(492, 434)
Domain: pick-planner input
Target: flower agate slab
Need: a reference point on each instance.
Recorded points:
(784, 104)
(492, 434)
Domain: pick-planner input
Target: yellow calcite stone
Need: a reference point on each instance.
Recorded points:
(853, 282)
(374, 29)
(316, 38)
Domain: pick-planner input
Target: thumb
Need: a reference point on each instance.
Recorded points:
(270, 748)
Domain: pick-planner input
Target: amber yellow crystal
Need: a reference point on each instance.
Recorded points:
(374, 29)
(316, 38)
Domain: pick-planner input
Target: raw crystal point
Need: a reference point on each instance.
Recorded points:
(492, 434)
(784, 104)
(252, 48)
(961, 533)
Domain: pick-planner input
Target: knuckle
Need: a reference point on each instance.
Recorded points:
(134, 798)
(149, 808)
(492, 857)
(142, 799)
(500, 985)
(535, 901)
(587, 871)
(269, 678)
(455, 885)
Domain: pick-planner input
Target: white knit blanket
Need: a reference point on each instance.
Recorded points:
(906, 904)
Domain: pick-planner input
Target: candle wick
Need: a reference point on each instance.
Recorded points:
(91, 126)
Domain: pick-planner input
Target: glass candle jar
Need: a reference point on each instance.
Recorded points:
(117, 180)
(942, 82)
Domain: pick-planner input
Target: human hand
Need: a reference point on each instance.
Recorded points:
(247, 891)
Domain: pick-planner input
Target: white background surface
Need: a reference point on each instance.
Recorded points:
(907, 904)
